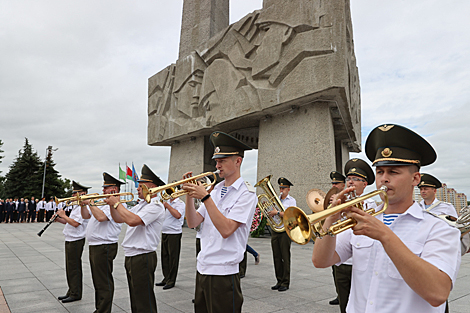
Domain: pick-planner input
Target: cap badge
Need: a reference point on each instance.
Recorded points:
(217, 149)
(386, 127)
(353, 169)
(354, 160)
(386, 152)
(216, 135)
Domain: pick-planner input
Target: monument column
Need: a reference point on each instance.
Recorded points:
(201, 20)
(303, 157)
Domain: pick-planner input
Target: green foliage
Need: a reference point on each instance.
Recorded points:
(25, 177)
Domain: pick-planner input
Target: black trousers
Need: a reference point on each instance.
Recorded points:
(21, 216)
(8, 216)
(73, 267)
(101, 263)
(342, 276)
(242, 265)
(49, 215)
(41, 215)
(140, 271)
(32, 216)
(170, 255)
(280, 244)
(218, 294)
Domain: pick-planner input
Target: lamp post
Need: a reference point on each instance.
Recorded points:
(49, 149)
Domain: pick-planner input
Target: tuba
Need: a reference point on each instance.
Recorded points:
(301, 227)
(269, 201)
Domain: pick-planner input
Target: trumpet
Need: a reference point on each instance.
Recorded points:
(71, 199)
(301, 227)
(169, 191)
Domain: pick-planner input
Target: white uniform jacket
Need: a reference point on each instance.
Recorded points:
(221, 256)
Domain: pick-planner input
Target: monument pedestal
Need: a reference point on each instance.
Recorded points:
(303, 157)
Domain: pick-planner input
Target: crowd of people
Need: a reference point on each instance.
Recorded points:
(31, 210)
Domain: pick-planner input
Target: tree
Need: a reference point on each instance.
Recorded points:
(23, 179)
(53, 184)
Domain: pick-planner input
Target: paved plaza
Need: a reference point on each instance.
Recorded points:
(32, 275)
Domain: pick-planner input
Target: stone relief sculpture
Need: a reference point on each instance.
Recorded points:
(282, 53)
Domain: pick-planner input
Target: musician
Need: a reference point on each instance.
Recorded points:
(410, 263)
(337, 180)
(227, 212)
(358, 175)
(74, 233)
(427, 188)
(142, 237)
(102, 234)
(41, 209)
(172, 230)
(280, 241)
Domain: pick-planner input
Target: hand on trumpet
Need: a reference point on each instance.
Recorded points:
(197, 190)
(112, 200)
(335, 200)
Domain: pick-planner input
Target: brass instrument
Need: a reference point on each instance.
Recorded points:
(92, 197)
(70, 199)
(462, 223)
(302, 227)
(169, 191)
(269, 201)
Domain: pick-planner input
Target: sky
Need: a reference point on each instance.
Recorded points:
(73, 74)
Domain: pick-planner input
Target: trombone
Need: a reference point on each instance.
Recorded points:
(169, 191)
(302, 227)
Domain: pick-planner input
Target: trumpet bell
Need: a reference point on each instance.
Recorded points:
(297, 225)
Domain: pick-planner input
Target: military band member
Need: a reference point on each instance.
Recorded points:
(358, 175)
(227, 212)
(339, 181)
(74, 232)
(280, 241)
(142, 237)
(172, 231)
(427, 188)
(410, 263)
(102, 235)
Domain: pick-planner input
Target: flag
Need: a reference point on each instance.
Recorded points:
(129, 173)
(134, 176)
(122, 174)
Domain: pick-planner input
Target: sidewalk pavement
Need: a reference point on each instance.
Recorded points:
(32, 276)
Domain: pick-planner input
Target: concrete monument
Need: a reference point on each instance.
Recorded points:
(283, 79)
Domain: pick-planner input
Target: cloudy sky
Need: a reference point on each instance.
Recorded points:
(73, 74)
